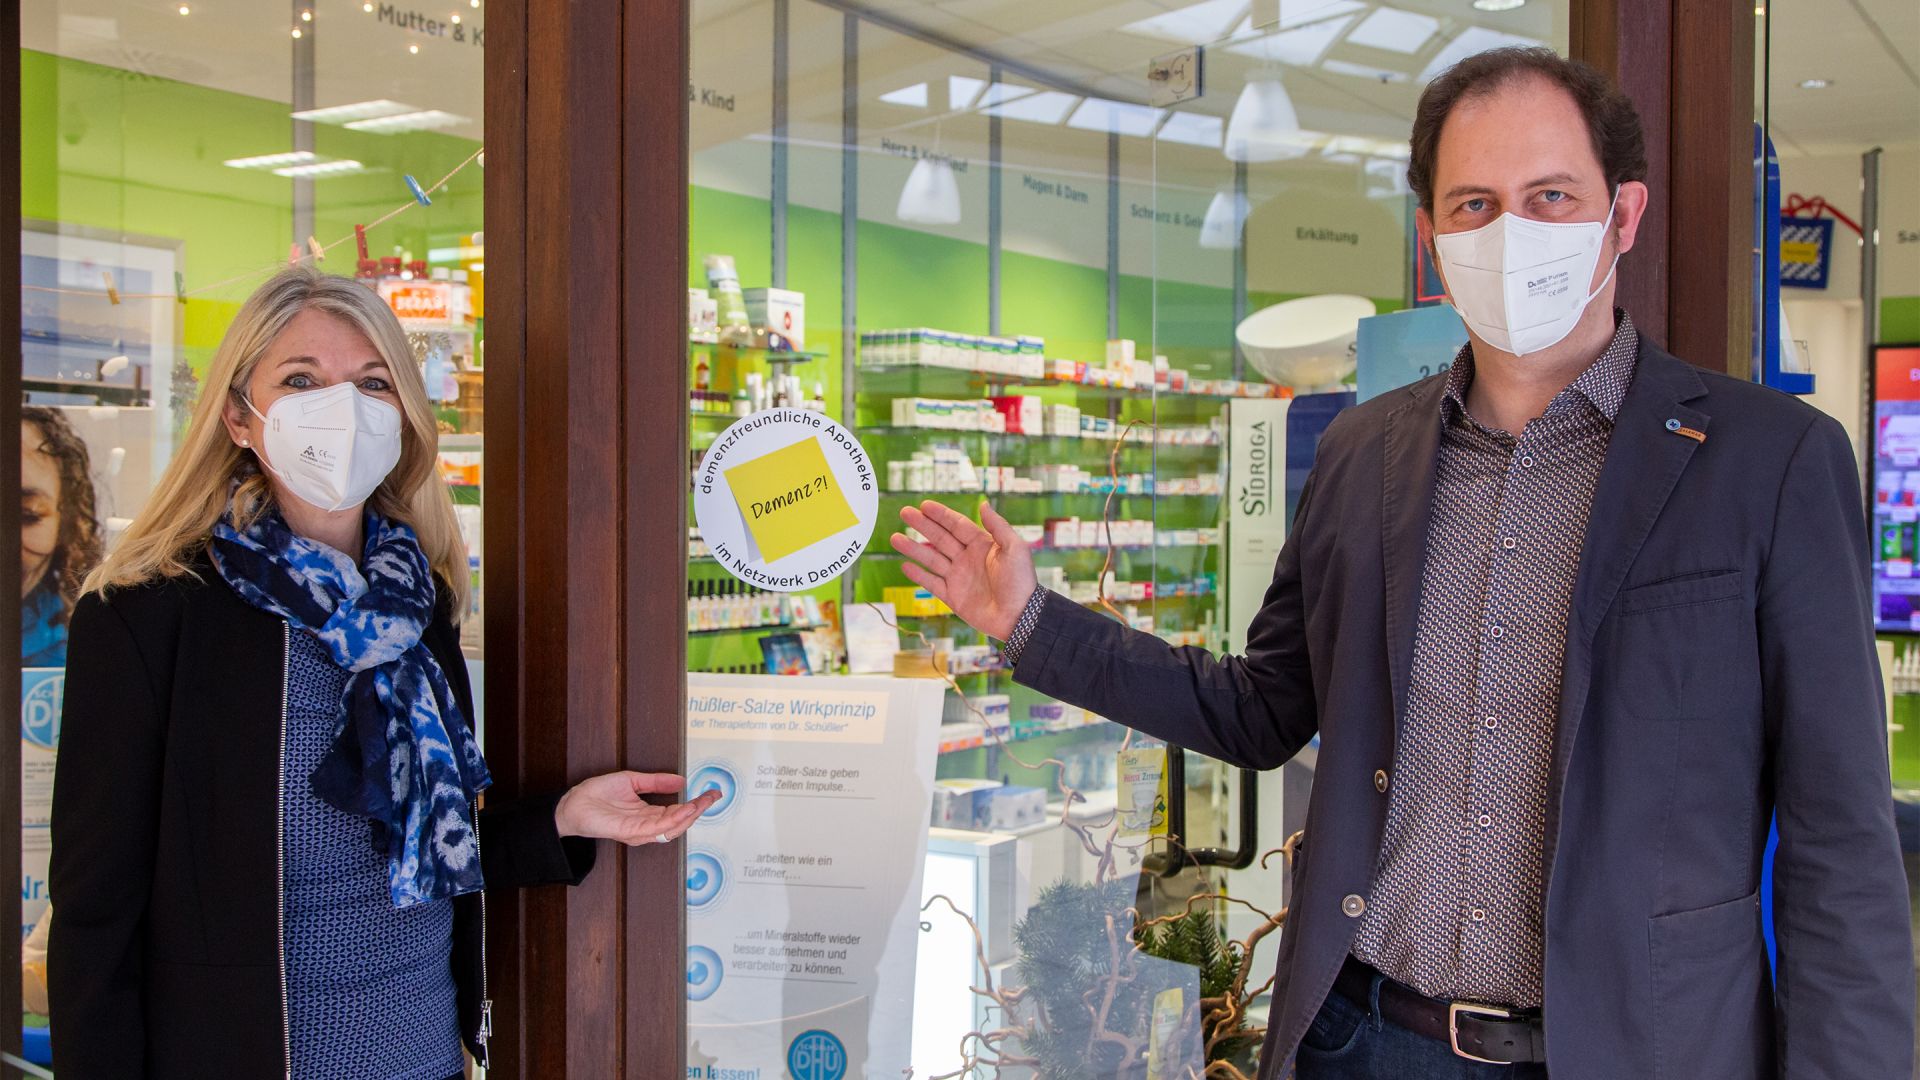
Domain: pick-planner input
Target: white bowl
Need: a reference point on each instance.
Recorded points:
(1304, 343)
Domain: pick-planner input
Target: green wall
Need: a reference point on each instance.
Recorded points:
(110, 150)
(1900, 319)
(909, 278)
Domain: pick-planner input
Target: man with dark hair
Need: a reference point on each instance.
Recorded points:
(1574, 621)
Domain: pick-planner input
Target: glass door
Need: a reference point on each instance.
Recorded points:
(176, 155)
(1101, 267)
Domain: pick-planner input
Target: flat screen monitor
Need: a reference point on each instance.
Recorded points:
(1896, 488)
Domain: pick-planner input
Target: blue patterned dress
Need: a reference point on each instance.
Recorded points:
(370, 991)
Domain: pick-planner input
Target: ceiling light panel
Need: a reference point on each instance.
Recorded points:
(1098, 114)
(321, 168)
(1404, 32)
(359, 110)
(422, 120)
(272, 161)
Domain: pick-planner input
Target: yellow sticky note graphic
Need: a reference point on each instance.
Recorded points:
(790, 499)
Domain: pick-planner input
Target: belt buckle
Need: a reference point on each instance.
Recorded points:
(1455, 1008)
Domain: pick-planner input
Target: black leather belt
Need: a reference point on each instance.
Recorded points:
(1489, 1033)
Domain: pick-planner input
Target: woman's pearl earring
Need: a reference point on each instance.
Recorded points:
(247, 443)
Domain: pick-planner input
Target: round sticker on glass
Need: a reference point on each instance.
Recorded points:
(786, 499)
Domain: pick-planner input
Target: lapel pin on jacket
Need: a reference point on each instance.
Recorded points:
(1678, 429)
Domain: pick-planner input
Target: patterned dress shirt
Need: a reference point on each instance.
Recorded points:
(1458, 906)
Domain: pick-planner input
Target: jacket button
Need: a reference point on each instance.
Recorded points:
(1380, 781)
(1354, 906)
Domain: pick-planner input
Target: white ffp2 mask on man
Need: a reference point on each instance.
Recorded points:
(1521, 285)
(330, 447)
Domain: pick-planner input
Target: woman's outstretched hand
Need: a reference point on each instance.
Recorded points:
(611, 807)
(984, 574)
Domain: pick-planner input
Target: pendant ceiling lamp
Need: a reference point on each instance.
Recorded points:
(1264, 125)
(931, 195)
(1226, 217)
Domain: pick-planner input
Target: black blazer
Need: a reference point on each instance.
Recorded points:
(165, 954)
(1719, 667)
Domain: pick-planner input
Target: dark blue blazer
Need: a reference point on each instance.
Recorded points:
(1720, 667)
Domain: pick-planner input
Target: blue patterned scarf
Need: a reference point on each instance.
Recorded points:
(402, 756)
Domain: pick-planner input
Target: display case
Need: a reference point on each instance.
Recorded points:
(1112, 466)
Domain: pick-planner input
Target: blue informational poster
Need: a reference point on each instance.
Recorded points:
(42, 690)
(1806, 251)
(1403, 347)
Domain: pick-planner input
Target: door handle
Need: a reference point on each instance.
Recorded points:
(1178, 854)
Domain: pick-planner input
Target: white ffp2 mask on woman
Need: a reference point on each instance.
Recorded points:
(331, 447)
(1520, 284)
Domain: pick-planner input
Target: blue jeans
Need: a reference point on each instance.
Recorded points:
(1348, 1041)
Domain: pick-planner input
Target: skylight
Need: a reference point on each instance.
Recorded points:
(1047, 107)
(1395, 31)
(1098, 114)
(1472, 40)
(1302, 47)
(1000, 93)
(914, 96)
(961, 90)
(1301, 12)
(1362, 71)
(1194, 129)
(1196, 24)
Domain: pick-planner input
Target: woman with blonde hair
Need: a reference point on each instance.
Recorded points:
(268, 851)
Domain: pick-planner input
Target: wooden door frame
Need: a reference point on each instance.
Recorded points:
(10, 360)
(1688, 66)
(586, 202)
(585, 520)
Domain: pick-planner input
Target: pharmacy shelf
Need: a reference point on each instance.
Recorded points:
(1089, 494)
(1136, 440)
(772, 356)
(997, 671)
(957, 744)
(1091, 549)
(896, 380)
(437, 326)
(783, 627)
(463, 443)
